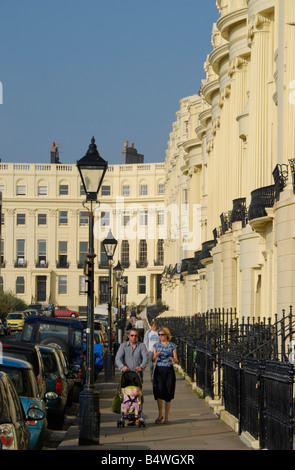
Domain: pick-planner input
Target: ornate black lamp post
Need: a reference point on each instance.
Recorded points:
(118, 270)
(110, 245)
(92, 169)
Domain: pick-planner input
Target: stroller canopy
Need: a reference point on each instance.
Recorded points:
(131, 378)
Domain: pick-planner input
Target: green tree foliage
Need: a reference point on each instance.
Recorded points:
(10, 303)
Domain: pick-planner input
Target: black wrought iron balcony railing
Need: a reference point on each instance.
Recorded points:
(159, 262)
(20, 263)
(206, 249)
(141, 264)
(225, 219)
(239, 212)
(41, 264)
(125, 264)
(261, 199)
(280, 176)
(62, 264)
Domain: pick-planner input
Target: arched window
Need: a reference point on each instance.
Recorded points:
(142, 262)
(125, 254)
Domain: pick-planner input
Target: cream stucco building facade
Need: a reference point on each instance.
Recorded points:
(45, 232)
(230, 161)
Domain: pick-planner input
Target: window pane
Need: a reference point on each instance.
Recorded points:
(20, 219)
(126, 190)
(105, 190)
(20, 247)
(62, 247)
(83, 251)
(42, 190)
(161, 189)
(63, 190)
(21, 190)
(20, 285)
(83, 218)
(143, 190)
(63, 217)
(141, 284)
(42, 219)
(105, 219)
(62, 284)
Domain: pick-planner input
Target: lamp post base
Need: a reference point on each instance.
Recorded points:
(89, 423)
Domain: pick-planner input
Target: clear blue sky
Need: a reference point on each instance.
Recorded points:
(115, 69)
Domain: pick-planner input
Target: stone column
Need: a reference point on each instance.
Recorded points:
(259, 164)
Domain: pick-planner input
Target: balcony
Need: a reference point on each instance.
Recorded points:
(20, 263)
(159, 262)
(42, 263)
(141, 264)
(261, 199)
(125, 264)
(62, 264)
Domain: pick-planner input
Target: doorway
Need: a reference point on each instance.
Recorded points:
(41, 288)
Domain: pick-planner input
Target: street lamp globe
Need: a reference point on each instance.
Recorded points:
(118, 270)
(92, 168)
(110, 245)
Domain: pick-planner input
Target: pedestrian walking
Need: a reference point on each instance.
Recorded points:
(132, 354)
(150, 339)
(140, 325)
(165, 356)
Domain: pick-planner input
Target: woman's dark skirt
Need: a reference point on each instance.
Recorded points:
(164, 383)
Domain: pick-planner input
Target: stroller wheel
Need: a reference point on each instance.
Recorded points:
(120, 424)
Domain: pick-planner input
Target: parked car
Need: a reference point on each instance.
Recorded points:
(60, 333)
(2, 329)
(16, 320)
(30, 311)
(14, 428)
(64, 312)
(37, 307)
(56, 385)
(72, 377)
(30, 353)
(23, 378)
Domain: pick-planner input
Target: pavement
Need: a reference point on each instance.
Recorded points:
(194, 425)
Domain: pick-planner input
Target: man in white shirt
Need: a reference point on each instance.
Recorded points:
(140, 326)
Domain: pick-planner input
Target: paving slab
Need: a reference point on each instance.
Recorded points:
(193, 425)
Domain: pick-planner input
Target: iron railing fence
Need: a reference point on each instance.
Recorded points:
(246, 363)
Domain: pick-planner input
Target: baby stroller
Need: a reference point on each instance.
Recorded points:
(131, 399)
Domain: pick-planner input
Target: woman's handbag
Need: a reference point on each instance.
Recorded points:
(116, 405)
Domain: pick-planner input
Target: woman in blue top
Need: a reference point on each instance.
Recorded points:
(165, 355)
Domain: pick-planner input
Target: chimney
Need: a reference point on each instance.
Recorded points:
(130, 155)
(54, 154)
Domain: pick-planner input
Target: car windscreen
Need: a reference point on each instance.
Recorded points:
(47, 330)
(50, 364)
(15, 316)
(22, 379)
(77, 338)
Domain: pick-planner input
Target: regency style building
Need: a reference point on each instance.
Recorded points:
(230, 160)
(45, 230)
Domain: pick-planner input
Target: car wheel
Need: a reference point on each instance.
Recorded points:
(56, 343)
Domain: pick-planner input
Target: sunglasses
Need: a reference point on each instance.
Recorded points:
(134, 335)
(161, 334)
